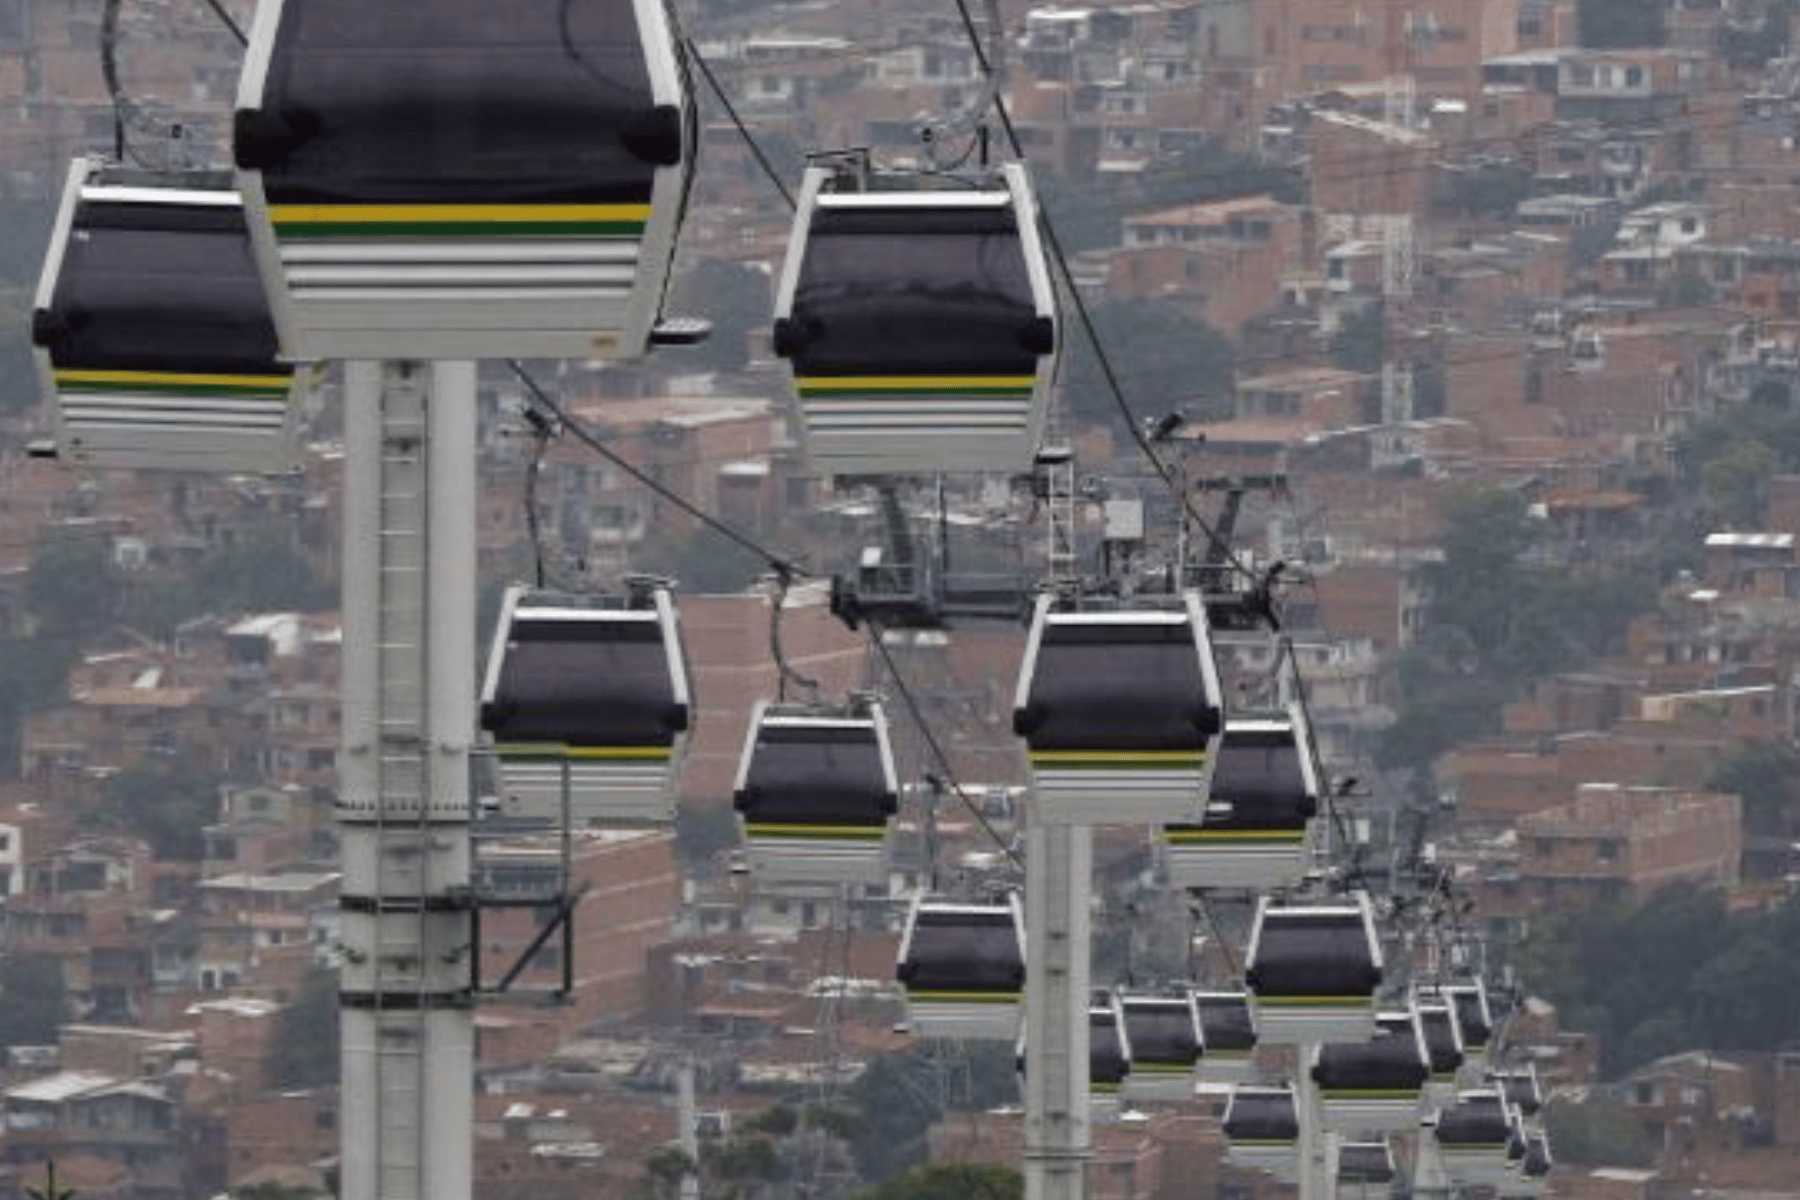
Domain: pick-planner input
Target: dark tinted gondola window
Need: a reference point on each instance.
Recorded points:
(1127, 687)
(1226, 1023)
(1308, 955)
(1365, 1162)
(1389, 1060)
(161, 287)
(964, 951)
(1162, 1032)
(589, 683)
(1475, 1030)
(913, 292)
(1257, 1116)
(822, 773)
(1477, 1121)
(459, 101)
(1106, 1055)
(1259, 775)
(1440, 1040)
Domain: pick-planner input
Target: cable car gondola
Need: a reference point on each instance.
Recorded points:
(1375, 1086)
(1443, 1043)
(1262, 1130)
(815, 791)
(590, 696)
(151, 330)
(1469, 997)
(962, 967)
(1111, 1061)
(1228, 1034)
(1119, 710)
(1530, 1172)
(920, 323)
(1472, 1136)
(1166, 1045)
(1263, 796)
(461, 180)
(1312, 971)
(1365, 1166)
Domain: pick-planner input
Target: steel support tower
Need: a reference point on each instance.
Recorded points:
(1059, 861)
(406, 992)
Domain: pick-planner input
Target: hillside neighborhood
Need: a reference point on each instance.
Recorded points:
(1498, 300)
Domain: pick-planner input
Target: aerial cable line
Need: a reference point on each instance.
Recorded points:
(934, 746)
(228, 21)
(777, 563)
(762, 159)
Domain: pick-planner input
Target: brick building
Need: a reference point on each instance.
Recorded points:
(1623, 842)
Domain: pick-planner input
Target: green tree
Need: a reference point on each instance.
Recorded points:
(72, 587)
(1486, 536)
(1687, 288)
(951, 1181)
(1763, 775)
(168, 804)
(667, 1166)
(34, 674)
(1595, 1133)
(1743, 997)
(1484, 189)
(739, 1167)
(1162, 360)
(304, 1052)
(778, 1120)
(897, 1099)
(261, 571)
(1616, 23)
(33, 1001)
(1734, 485)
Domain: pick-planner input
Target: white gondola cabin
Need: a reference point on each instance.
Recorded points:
(1166, 1046)
(1377, 1086)
(962, 967)
(1472, 1136)
(1120, 710)
(1312, 971)
(816, 792)
(1521, 1088)
(1364, 1169)
(589, 698)
(1473, 1018)
(920, 323)
(1263, 796)
(1443, 1043)
(454, 179)
(1228, 1034)
(1262, 1130)
(151, 331)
